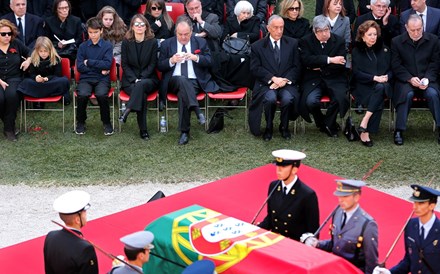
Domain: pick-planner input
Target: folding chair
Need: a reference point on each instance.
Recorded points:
(65, 66)
(111, 92)
(238, 94)
(152, 97)
(173, 98)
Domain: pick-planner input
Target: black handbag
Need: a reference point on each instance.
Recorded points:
(234, 45)
(217, 122)
(350, 131)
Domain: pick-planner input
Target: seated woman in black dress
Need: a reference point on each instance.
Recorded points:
(295, 25)
(160, 21)
(45, 74)
(244, 24)
(372, 75)
(139, 59)
(62, 27)
(12, 65)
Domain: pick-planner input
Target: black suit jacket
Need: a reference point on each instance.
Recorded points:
(71, 28)
(33, 27)
(135, 66)
(264, 67)
(293, 214)
(248, 28)
(68, 254)
(260, 8)
(169, 47)
(408, 60)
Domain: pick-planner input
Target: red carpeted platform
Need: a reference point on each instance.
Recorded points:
(239, 196)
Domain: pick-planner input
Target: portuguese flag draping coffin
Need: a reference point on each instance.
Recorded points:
(194, 233)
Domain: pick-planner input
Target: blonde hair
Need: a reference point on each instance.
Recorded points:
(286, 4)
(44, 42)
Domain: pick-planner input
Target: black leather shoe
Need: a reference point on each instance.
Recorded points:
(144, 135)
(161, 105)
(184, 138)
(123, 117)
(285, 133)
(267, 136)
(202, 119)
(367, 143)
(398, 138)
(329, 132)
(10, 135)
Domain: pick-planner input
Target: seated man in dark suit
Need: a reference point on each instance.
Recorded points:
(29, 26)
(381, 13)
(275, 64)
(430, 17)
(184, 60)
(323, 56)
(414, 60)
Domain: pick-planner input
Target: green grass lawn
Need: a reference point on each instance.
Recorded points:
(50, 157)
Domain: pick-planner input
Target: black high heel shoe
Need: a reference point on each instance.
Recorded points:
(365, 143)
(124, 116)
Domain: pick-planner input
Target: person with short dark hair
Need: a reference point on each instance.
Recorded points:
(421, 236)
(137, 247)
(160, 21)
(65, 252)
(372, 76)
(292, 208)
(94, 60)
(354, 233)
(185, 61)
(415, 58)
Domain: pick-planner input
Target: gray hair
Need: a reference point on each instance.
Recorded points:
(320, 22)
(243, 5)
(386, 2)
(274, 17)
(414, 17)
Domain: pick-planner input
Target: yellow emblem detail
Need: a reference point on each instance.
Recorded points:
(292, 192)
(435, 242)
(279, 160)
(196, 233)
(225, 244)
(416, 193)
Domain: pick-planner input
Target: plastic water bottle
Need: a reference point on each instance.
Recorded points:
(163, 124)
(123, 108)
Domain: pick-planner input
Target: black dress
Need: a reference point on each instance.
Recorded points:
(296, 29)
(57, 84)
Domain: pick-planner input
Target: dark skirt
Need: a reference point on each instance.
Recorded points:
(53, 87)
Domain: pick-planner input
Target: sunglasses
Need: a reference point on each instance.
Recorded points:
(293, 9)
(6, 33)
(156, 8)
(139, 24)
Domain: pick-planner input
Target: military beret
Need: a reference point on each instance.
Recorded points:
(285, 157)
(72, 202)
(200, 267)
(423, 193)
(138, 240)
(348, 187)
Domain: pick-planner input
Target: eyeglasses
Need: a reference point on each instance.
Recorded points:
(63, 8)
(322, 30)
(156, 8)
(293, 9)
(139, 24)
(6, 33)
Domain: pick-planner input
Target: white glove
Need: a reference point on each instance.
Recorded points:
(381, 270)
(311, 241)
(304, 237)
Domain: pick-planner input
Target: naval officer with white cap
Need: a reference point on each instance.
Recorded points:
(65, 253)
(137, 248)
(354, 233)
(422, 236)
(292, 206)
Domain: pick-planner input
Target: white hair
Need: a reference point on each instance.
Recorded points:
(243, 5)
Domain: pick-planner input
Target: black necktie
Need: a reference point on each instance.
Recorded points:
(276, 51)
(423, 23)
(322, 44)
(20, 29)
(285, 190)
(422, 234)
(184, 65)
(344, 219)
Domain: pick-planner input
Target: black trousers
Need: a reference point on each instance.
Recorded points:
(286, 96)
(9, 103)
(85, 89)
(186, 90)
(138, 99)
(313, 103)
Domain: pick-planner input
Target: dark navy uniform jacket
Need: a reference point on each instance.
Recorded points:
(430, 246)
